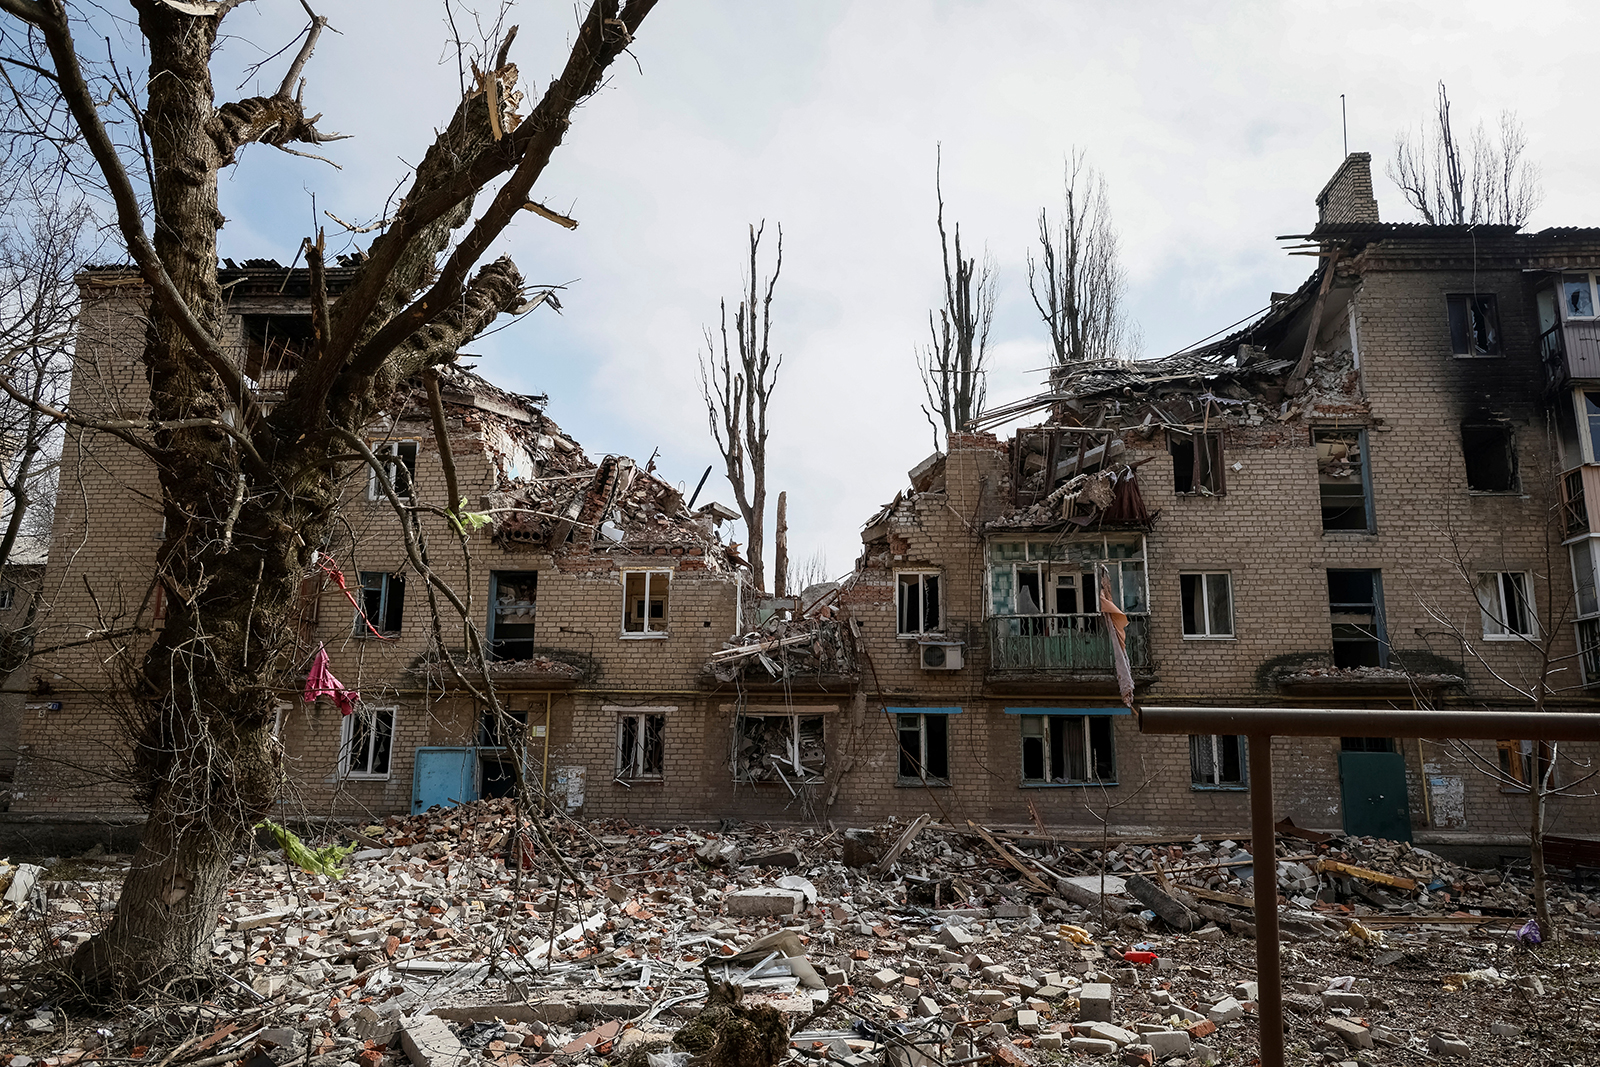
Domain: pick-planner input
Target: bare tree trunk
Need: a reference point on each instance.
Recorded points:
(780, 549)
(1078, 283)
(1537, 792)
(953, 369)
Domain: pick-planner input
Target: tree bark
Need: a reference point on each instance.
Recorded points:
(780, 549)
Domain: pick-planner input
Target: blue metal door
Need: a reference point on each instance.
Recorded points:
(443, 776)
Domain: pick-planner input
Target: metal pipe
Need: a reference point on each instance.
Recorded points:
(1264, 850)
(1369, 722)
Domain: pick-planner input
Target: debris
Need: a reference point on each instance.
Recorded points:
(1165, 905)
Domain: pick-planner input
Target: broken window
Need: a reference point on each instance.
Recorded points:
(513, 605)
(1577, 296)
(275, 343)
(1067, 750)
(1589, 649)
(1583, 584)
(1343, 480)
(917, 603)
(1216, 761)
(924, 748)
(383, 601)
(779, 748)
(1355, 602)
(366, 738)
(1491, 458)
(1197, 463)
(399, 462)
(1505, 599)
(1207, 604)
(505, 730)
(1518, 762)
(1574, 512)
(1474, 324)
(639, 747)
(7, 598)
(644, 603)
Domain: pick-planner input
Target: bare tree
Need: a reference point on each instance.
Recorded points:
(1078, 283)
(737, 386)
(952, 367)
(1486, 181)
(249, 492)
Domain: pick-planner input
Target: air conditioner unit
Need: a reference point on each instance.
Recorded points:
(941, 656)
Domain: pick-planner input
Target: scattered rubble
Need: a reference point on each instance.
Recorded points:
(971, 944)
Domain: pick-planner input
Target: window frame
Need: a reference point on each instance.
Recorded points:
(1502, 617)
(1218, 785)
(391, 599)
(1505, 430)
(1206, 458)
(636, 726)
(1087, 723)
(918, 721)
(395, 454)
(347, 740)
(8, 598)
(900, 586)
(492, 632)
(1380, 626)
(1362, 443)
(645, 633)
(1466, 302)
(1590, 278)
(1529, 759)
(1204, 585)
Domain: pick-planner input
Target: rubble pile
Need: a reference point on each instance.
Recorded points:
(920, 943)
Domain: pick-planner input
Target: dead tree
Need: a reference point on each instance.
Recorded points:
(249, 493)
(780, 549)
(737, 387)
(952, 367)
(1078, 283)
(1487, 181)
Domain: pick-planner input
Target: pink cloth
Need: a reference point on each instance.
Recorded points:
(320, 682)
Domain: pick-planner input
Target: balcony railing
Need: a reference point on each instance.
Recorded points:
(1062, 642)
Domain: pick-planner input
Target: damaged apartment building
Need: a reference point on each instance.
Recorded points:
(1377, 495)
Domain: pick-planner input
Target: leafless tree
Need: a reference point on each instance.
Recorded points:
(1078, 283)
(952, 367)
(249, 492)
(737, 387)
(1486, 181)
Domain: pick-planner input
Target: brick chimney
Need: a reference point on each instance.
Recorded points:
(1347, 198)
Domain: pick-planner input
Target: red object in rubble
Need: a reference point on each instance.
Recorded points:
(1143, 959)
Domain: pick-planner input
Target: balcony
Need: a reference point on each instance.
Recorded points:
(1062, 643)
(1571, 350)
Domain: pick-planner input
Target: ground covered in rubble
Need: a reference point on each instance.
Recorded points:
(920, 944)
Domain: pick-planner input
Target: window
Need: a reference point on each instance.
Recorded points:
(1474, 324)
(1216, 761)
(639, 748)
(366, 737)
(505, 730)
(1574, 512)
(1505, 599)
(917, 603)
(7, 597)
(1366, 744)
(1197, 463)
(1517, 762)
(383, 601)
(1583, 582)
(399, 460)
(644, 603)
(513, 604)
(1067, 750)
(1207, 604)
(779, 748)
(275, 343)
(1491, 458)
(1343, 481)
(1577, 296)
(1355, 603)
(924, 748)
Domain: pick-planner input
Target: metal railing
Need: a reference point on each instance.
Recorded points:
(1062, 642)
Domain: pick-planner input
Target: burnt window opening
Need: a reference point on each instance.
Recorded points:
(1491, 457)
(1344, 482)
(924, 748)
(513, 606)
(275, 343)
(1197, 464)
(1474, 324)
(383, 601)
(1355, 605)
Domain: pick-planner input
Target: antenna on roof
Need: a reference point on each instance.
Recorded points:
(1344, 121)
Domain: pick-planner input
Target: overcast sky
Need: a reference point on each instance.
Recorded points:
(1215, 125)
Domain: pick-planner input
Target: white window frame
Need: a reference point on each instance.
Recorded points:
(380, 620)
(645, 633)
(1084, 723)
(347, 738)
(393, 454)
(1204, 614)
(1214, 742)
(1490, 592)
(922, 577)
(7, 598)
(1594, 296)
(900, 727)
(637, 724)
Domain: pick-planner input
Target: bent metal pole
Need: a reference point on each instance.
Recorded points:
(1262, 724)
